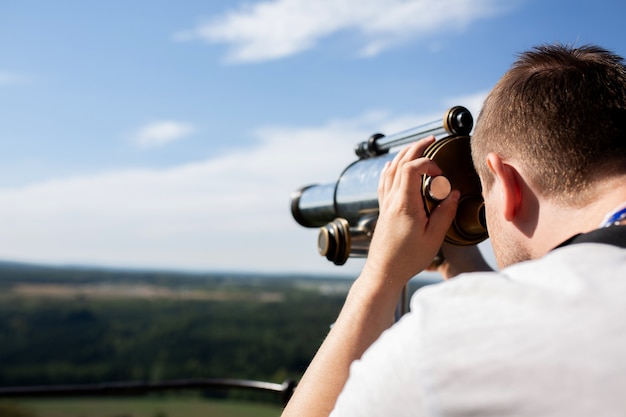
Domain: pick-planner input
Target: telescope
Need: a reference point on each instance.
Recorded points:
(346, 211)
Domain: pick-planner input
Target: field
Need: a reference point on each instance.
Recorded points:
(137, 407)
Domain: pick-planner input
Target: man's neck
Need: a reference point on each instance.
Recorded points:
(558, 223)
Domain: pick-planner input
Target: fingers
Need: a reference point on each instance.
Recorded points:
(409, 183)
(391, 177)
(404, 175)
(409, 158)
(406, 238)
(441, 218)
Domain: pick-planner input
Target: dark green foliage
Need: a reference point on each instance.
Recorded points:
(84, 339)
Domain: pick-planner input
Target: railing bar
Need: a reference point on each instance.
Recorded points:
(135, 387)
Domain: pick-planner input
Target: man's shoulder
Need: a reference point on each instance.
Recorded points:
(574, 263)
(531, 326)
(569, 282)
(468, 341)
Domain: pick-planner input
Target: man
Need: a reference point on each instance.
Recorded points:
(547, 334)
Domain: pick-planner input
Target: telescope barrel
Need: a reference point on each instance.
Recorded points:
(457, 121)
(347, 210)
(314, 205)
(411, 135)
(354, 195)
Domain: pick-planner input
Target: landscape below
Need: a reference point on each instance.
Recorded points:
(88, 326)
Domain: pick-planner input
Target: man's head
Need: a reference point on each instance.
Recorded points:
(558, 112)
(559, 117)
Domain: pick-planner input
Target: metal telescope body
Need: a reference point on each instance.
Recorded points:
(346, 211)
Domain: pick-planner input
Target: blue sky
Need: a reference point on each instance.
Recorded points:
(169, 134)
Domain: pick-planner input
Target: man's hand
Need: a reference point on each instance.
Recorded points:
(406, 239)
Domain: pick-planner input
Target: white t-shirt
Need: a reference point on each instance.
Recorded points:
(540, 338)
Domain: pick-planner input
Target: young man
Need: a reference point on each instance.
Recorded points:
(547, 334)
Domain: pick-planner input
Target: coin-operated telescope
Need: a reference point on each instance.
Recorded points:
(346, 211)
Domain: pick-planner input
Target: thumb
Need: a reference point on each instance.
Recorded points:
(441, 218)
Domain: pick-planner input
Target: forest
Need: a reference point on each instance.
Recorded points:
(86, 326)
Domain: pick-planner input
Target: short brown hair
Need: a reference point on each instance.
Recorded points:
(560, 112)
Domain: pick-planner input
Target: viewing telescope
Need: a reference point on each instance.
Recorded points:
(346, 211)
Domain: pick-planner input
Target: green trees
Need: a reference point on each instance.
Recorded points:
(195, 327)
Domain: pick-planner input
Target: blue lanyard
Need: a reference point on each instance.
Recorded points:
(615, 218)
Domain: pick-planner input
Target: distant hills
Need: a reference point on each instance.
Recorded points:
(82, 272)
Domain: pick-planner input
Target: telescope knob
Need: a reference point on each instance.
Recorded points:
(369, 148)
(458, 121)
(333, 241)
(438, 188)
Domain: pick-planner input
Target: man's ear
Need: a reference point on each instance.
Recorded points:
(509, 183)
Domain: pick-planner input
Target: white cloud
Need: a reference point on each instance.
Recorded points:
(274, 29)
(230, 213)
(12, 78)
(161, 133)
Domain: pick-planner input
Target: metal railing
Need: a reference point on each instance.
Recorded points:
(285, 390)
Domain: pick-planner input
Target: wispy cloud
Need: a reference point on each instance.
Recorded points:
(275, 29)
(229, 213)
(12, 78)
(161, 133)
